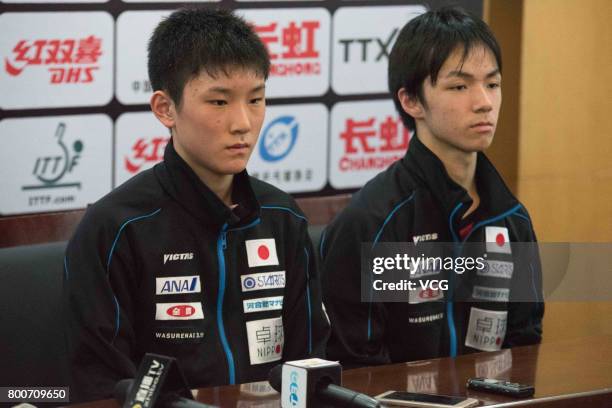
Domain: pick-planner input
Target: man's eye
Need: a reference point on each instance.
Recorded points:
(494, 85)
(217, 102)
(257, 101)
(458, 87)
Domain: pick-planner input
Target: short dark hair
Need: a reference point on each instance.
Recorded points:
(192, 39)
(425, 43)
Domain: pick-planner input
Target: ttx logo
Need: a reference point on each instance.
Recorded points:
(382, 47)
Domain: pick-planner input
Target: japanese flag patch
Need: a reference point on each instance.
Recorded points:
(261, 252)
(497, 240)
(487, 329)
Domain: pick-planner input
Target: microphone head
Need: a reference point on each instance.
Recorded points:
(122, 389)
(275, 377)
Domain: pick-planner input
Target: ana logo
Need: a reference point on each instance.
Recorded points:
(50, 170)
(177, 284)
(68, 60)
(179, 311)
(278, 138)
(178, 257)
(145, 151)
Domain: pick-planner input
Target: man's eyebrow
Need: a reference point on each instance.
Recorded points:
(466, 75)
(227, 91)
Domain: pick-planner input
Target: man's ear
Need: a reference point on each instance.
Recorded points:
(163, 108)
(411, 104)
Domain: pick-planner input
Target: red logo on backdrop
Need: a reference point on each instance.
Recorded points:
(181, 311)
(293, 42)
(144, 152)
(383, 142)
(69, 61)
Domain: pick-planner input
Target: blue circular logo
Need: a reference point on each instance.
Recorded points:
(278, 138)
(249, 283)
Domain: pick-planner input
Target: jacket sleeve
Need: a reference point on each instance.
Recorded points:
(526, 311)
(97, 281)
(357, 328)
(305, 323)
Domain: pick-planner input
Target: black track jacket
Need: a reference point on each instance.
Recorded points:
(415, 199)
(161, 265)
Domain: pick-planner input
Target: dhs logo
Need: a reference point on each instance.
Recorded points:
(278, 138)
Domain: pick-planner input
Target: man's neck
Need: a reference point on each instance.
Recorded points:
(220, 185)
(460, 166)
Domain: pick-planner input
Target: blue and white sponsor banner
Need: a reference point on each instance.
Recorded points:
(366, 137)
(54, 163)
(56, 59)
(262, 281)
(140, 140)
(291, 152)
(362, 40)
(263, 304)
(176, 285)
(134, 28)
(298, 44)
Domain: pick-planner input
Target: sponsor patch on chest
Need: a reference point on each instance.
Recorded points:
(266, 340)
(486, 329)
(497, 269)
(497, 240)
(263, 304)
(173, 285)
(179, 311)
(261, 281)
(261, 252)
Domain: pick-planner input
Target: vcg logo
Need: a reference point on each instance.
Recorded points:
(50, 169)
(278, 138)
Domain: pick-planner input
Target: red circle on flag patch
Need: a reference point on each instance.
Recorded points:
(263, 252)
(498, 341)
(500, 239)
(278, 349)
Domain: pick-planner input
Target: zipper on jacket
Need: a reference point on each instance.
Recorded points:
(221, 246)
(450, 314)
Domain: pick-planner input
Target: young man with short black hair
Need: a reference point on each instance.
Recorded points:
(445, 80)
(193, 258)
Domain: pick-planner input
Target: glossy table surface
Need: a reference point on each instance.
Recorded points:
(565, 373)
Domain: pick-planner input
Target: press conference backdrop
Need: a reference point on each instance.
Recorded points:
(75, 120)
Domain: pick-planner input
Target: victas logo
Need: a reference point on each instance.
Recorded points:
(278, 138)
(187, 256)
(177, 285)
(50, 170)
(69, 60)
(145, 151)
(425, 237)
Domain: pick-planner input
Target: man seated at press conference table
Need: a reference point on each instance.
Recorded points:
(565, 373)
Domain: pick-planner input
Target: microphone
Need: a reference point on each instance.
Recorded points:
(159, 382)
(310, 383)
(171, 400)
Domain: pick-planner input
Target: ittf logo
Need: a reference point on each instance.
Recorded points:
(261, 252)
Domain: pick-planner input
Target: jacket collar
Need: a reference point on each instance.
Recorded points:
(185, 187)
(495, 196)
